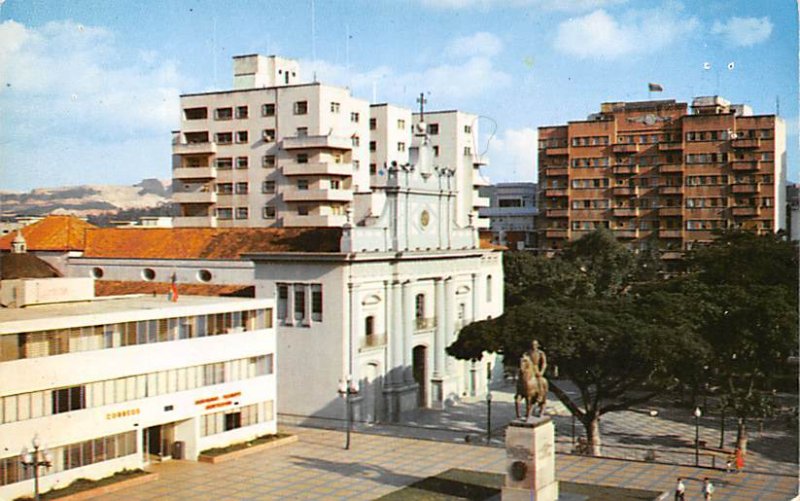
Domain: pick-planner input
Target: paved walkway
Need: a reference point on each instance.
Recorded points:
(317, 467)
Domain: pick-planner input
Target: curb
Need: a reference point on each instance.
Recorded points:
(107, 489)
(249, 450)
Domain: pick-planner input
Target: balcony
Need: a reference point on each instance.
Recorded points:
(326, 221)
(746, 211)
(669, 234)
(745, 188)
(194, 222)
(295, 195)
(670, 211)
(556, 233)
(625, 148)
(556, 213)
(746, 143)
(671, 255)
(625, 233)
(194, 148)
(480, 160)
(555, 192)
(194, 173)
(556, 171)
(625, 169)
(194, 197)
(317, 169)
(325, 142)
(670, 190)
(478, 180)
(556, 151)
(372, 341)
(624, 191)
(670, 146)
(670, 168)
(480, 202)
(625, 212)
(424, 324)
(745, 165)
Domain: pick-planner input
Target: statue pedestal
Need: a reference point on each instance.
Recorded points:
(530, 461)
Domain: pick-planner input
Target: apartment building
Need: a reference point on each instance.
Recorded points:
(512, 214)
(660, 174)
(270, 152)
(158, 379)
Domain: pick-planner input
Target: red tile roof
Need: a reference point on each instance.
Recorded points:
(117, 288)
(206, 243)
(53, 233)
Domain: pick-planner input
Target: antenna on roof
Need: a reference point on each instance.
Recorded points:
(313, 44)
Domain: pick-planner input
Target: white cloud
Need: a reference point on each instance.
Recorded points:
(469, 73)
(512, 156)
(743, 31)
(550, 5)
(479, 44)
(599, 35)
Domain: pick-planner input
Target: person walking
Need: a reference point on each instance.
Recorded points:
(708, 489)
(739, 460)
(680, 490)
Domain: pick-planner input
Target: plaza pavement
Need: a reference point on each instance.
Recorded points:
(384, 458)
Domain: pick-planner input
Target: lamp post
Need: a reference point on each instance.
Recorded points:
(697, 415)
(346, 390)
(35, 459)
(488, 417)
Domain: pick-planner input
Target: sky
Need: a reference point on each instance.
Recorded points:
(89, 88)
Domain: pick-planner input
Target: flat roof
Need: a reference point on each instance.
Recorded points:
(134, 307)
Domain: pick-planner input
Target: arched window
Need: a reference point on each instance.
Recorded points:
(369, 325)
(488, 288)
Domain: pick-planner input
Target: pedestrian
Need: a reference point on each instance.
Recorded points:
(739, 460)
(680, 490)
(708, 489)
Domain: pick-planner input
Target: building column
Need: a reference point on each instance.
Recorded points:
(354, 338)
(308, 306)
(475, 302)
(290, 304)
(396, 334)
(449, 318)
(408, 330)
(440, 340)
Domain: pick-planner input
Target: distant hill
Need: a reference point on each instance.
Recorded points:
(87, 200)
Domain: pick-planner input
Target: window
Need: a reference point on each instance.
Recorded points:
(241, 112)
(225, 188)
(419, 307)
(299, 303)
(488, 288)
(241, 136)
(316, 303)
(436, 151)
(68, 399)
(224, 213)
(468, 129)
(302, 210)
(204, 276)
(283, 300)
(241, 188)
(223, 137)
(268, 187)
(301, 107)
(467, 150)
(401, 146)
(302, 132)
(223, 113)
(369, 326)
(401, 124)
(267, 110)
(268, 161)
(268, 135)
(356, 164)
(433, 129)
(335, 107)
(302, 158)
(97, 272)
(373, 146)
(242, 162)
(233, 420)
(354, 117)
(195, 113)
(302, 184)
(336, 184)
(149, 274)
(373, 124)
(224, 163)
(356, 141)
(269, 212)
(373, 169)
(242, 213)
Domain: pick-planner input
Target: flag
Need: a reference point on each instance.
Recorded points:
(173, 289)
(654, 87)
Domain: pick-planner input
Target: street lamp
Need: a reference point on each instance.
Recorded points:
(488, 417)
(35, 459)
(346, 389)
(697, 415)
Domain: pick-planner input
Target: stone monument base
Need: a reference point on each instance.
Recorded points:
(530, 461)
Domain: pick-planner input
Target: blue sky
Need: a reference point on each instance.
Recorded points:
(89, 88)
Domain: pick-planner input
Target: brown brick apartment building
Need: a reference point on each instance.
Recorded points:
(654, 173)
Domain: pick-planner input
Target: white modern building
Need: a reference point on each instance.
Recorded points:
(113, 383)
(512, 214)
